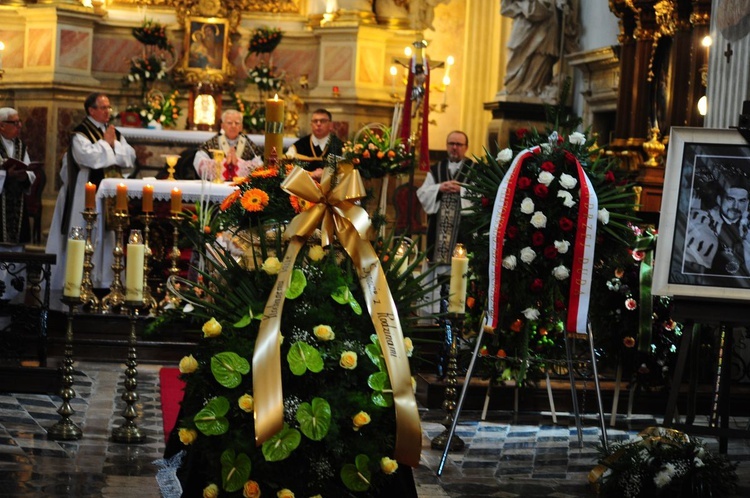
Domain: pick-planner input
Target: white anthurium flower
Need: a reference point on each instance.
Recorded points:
(531, 313)
(527, 206)
(567, 198)
(577, 138)
(510, 262)
(539, 220)
(528, 254)
(560, 272)
(567, 181)
(562, 246)
(603, 216)
(504, 155)
(545, 178)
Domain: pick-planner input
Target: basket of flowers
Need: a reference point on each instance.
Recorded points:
(376, 152)
(264, 40)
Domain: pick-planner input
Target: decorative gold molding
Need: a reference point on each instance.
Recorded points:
(666, 17)
(204, 7)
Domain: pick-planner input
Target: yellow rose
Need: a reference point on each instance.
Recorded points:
(388, 465)
(324, 332)
(251, 490)
(316, 253)
(246, 403)
(271, 265)
(211, 491)
(211, 328)
(187, 436)
(348, 360)
(188, 364)
(360, 420)
(285, 493)
(408, 346)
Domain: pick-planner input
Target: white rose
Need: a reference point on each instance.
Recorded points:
(603, 216)
(539, 220)
(504, 155)
(527, 254)
(567, 181)
(567, 198)
(531, 313)
(577, 138)
(546, 148)
(527, 206)
(560, 272)
(562, 246)
(545, 178)
(509, 262)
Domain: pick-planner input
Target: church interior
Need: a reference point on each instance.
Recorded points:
(402, 77)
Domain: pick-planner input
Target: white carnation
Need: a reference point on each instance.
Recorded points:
(527, 206)
(545, 178)
(562, 246)
(527, 254)
(504, 155)
(567, 181)
(510, 262)
(560, 272)
(539, 220)
(577, 138)
(603, 216)
(567, 198)
(531, 313)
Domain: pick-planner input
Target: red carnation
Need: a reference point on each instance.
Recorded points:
(570, 158)
(537, 285)
(566, 225)
(537, 238)
(521, 133)
(485, 202)
(609, 177)
(559, 305)
(511, 232)
(524, 182)
(550, 252)
(548, 166)
(541, 190)
(560, 139)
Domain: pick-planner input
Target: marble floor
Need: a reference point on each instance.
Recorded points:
(506, 455)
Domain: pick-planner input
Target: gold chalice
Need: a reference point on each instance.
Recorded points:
(171, 163)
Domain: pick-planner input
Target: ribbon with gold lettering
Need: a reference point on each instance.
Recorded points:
(337, 216)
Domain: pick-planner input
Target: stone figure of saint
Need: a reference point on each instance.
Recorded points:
(535, 43)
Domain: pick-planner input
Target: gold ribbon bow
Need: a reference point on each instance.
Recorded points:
(337, 216)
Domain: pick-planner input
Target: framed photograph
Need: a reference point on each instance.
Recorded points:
(206, 45)
(703, 249)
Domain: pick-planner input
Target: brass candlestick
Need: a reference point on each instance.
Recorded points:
(149, 301)
(174, 255)
(116, 297)
(449, 403)
(89, 301)
(129, 432)
(65, 429)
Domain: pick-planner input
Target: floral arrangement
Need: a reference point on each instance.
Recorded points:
(159, 109)
(253, 114)
(264, 40)
(537, 244)
(263, 77)
(376, 152)
(146, 70)
(662, 462)
(339, 421)
(152, 33)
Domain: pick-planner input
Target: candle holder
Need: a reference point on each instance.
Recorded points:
(174, 255)
(114, 300)
(129, 432)
(441, 441)
(149, 301)
(89, 301)
(65, 429)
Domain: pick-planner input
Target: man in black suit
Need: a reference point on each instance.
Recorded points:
(314, 148)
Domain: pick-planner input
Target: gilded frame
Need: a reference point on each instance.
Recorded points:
(206, 49)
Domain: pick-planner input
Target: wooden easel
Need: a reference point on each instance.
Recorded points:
(725, 314)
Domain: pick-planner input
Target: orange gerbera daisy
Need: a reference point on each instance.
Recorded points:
(230, 200)
(254, 200)
(299, 204)
(265, 173)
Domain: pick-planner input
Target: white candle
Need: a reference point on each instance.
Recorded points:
(459, 275)
(74, 263)
(134, 267)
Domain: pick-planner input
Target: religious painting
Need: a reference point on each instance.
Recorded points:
(206, 45)
(703, 249)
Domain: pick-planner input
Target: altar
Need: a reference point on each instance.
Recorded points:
(104, 240)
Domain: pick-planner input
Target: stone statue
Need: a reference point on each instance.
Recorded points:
(535, 44)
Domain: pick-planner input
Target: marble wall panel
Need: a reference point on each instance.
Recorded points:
(296, 62)
(370, 65)
(338, 62)
(112, 55)
(75, 49)
(13, 53)
(34, 131)
(39, 43)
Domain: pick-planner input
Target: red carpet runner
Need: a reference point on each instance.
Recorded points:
(171, 395)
